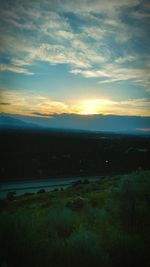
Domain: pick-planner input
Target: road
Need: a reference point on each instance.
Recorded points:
(32, 186)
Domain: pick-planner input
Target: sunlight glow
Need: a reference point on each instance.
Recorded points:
(93, 106)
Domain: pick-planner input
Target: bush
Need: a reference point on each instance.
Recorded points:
(97, 199)
(61, 222)
(84, 249)
(41, 191)
(124, 249)
(20, 238)
(130, 201)
(77, 204)
(11, 196)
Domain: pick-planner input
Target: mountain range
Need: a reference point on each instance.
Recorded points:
(107, 123)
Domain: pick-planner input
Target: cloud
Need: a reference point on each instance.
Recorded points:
(94, 5)
(42, 114)
(95, 32)
(58, 54)
(14, 44)
(140, 15)
(147, 130)
(44, 22)
(94, 40)
(113, 73)
(21, 102)
(21, 62)
(109, 106)
(4, 103)
(124, 59)
(64, 47)
(11, 68)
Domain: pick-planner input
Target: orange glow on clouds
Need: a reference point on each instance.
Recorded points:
(31, 104)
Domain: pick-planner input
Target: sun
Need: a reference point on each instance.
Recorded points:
(90, 107)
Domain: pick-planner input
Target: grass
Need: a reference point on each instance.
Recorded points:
(103, 223)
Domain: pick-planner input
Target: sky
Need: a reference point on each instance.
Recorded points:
(81, 57)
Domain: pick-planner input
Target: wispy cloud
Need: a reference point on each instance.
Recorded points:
(141, 15)
(27, 24)
(11, 68)
(113, 73)
(101, 40)
(124, 59)
(95, 32)
(96, 5)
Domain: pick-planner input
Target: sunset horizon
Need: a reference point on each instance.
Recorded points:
(74, 133)
(75, 57)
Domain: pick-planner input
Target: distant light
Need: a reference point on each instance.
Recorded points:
(106, 161)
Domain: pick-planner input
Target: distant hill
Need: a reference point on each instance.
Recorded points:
(11, 122)
(76, 122)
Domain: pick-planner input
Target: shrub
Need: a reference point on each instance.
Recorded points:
(124, 249)
(41, 191)
(84, 249)
(61, 222)
(76, 183)
(78, 203)
(130, 201)
(20, 238)
(11, 196)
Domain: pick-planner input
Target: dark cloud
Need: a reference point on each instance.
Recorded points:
(41, 114)
(5, 103)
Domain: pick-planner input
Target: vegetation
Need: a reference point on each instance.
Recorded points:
(103, 223)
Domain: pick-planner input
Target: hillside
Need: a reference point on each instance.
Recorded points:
(103, 223)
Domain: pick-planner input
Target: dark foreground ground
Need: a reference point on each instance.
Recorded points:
(103, 223)
(29, 154)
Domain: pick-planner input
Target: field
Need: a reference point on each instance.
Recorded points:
(103, 223)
